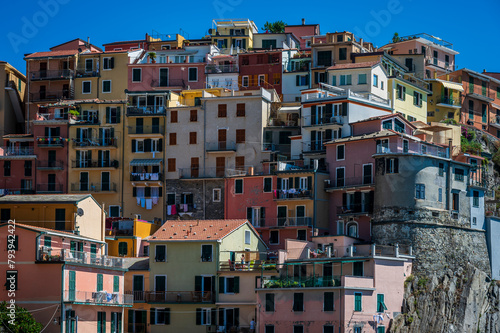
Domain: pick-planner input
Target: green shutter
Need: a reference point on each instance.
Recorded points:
(236, 284)
(309, 183)
(72, 285)
(130, 320)
(99, 319)
(198, 316)
(47, 241)
(221, 284)
(116, 283)
(113, 322)
(167, 316)
(357, 302)
(118, 115)
(108, 115)
(152, 317)
(99, 282)
(380, 303)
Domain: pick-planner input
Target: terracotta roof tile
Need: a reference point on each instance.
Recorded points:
(60, 53)
(355, 65)
(190, 230)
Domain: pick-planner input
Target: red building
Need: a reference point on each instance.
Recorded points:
(17, 163)
(261, 69)
(304, 32)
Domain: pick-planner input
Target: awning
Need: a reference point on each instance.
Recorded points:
(290, 109)
(451, 85)
(145, 162)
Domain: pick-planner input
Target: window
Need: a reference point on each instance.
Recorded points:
(375, 80)
(270, 328)
(298, 302)
(474, 221)
(380, 303)
(139, 146)
(222, 111)
(160, 316)
(171, 165)
(173, 116)
(101, 322)
(122, 248)
(216, 193)
(244, 81)
(193, 74)
(328, 301)
(99, 282)
(240, 136)
(86, 87)
(108, 63)
(361, 78)
(459, 175)
(238, 186)
(298, 329)
(417, 99)
(116, 284)
(136, 74)
(89, 65)
(302, 234)
(357, 302)
(240, 110)
(441, 169)
(440, 195)
(419, 191)
(106, 86)
(172, 139)
(47, 241)
(411, 119)
(401, 92)
(156, 145)
(270, 303)
(324, 58)
(475, 199)
(229, 285)
(380, 329)
(192, 138)
(345, 80)
(328, 329)
(262, 80)
(274, 237)
(268, 184)
(203, 316)
(392, 165)
(247, 236)
(206, 253)
(6, 168)
(382, 85)
(357, 268)
(193, 115)
(160, 253)
(342, 53)
(340, 152)
(113, 115)
(471, 110)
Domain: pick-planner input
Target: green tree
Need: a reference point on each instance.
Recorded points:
(23, 322)
(396, 38)
(275, 27)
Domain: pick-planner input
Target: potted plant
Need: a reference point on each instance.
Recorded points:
(74, 113)
(152, 56)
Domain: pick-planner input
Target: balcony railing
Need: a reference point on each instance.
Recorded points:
(16, 151)
(82, 72)
(319, 121)
(146, 176)
(78, 257)
(16, 191)
(168, 83)
(449, 101)
(354, 209)
(48, 141)
(413, 148)
(145, 110)
(252, 266)
(179, 297)
(93, 187)
(480, 92)
(49, 188)
(216, 69)
(293, 193)
(352, 181)
(91, 119)
(52, 74)
(221, 146)
(330, 92)
(282, 222)
(95, 142)
(193, 173)
(52, 116)
(284, 148)
(311, 281)
(138, 296)
(50, 165)
(82, 164)
(98, 298)
(314, 146)
(145, 130)
(50, 96)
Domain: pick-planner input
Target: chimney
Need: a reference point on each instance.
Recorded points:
(361, 42)
(88, 42)
(435, 75)
(447, 77)
(303, 21)
(484, 70)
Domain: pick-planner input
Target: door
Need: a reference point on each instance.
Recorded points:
(163, 77)
(156, 125)
(43, 69)
(42, 92)
(159, 104)
(105, 184)
(84, 181)
(222, 139)
(160, 283)
(65, 90)
(84, 158)
(138, 287)
(220, 166)
(195, 167)
(51, 158)
(340, 177)
(51, 182)
(367, 174)
(300, 214)
(139, 126)
(282, 214)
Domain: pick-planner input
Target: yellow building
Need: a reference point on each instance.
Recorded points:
(11, 99)
(164, 42)
(127, 238)
(233, 36)
(66, 212)
(185, 259)
(445, 102)
(136, 282)
(409, 96)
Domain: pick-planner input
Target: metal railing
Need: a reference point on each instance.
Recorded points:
(16, 151)
(168, 83)
(252, 266)
(97, 297)
(210, 172)
(15, 191)
(50, 165)
(221, 146)
(335, 92)
(479, 91)
(179, 296)
(145, 130)
(216, 69)
(93, 187)
(352, 181)
(146, 176)
(50, 96)
(145, 110)
(314, 146)
(317, 121)
(355, 209)
(48, 141)
(293, 193)
(308, 281)
(81, 164)
(276, 147)
(51, 116)
(448, 101)
(413, 148)
(95, 142)
(49, 188)
(52, 74)
(78, 257)
(138, 296)
(287, 221)
(83, 72)
(87, 119)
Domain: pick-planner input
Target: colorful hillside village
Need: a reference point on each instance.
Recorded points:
(138, 207)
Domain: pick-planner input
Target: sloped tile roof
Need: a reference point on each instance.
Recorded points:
(189, 230)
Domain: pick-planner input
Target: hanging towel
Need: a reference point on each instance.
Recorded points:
(154, 176)
(174, 210)
(143, 202)
(169, 210)
(149, 203)
(185, 207)
(138, 201)
(155, 201)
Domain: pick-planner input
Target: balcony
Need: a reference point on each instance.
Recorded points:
(282, 222)
(50, 165)
(61, 74)
(49, 188)
(252, 266)
(146, 176)
(82, 72)
(271, 147)
(90, 119)
(51, 116)
(218, 69)
(16, 151)
(354, 209)
(95, 143)
(321, 121)
(163, 297)
(293, 194)
(98, 298)
(50, 96)
(332, 93)
(138, 296)
(350, 182)
(77, 257)
(312, 281)
(168, 83)
(448, 102)
(223, 146)
(413, 148)
(316, 146)
(16, 191)
(479, 92)
(148, 110)
(477, 177)
(145, 130)
(195, 173)
(89, 164)
(50, 142)
(93, 187)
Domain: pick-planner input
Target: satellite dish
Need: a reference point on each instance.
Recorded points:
(79, 212)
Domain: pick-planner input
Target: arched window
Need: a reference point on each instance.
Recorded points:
(352, 229)
(122, 248)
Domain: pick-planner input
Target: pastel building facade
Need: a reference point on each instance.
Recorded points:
(12, 99)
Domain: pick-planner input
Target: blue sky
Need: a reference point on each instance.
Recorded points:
(35, 25)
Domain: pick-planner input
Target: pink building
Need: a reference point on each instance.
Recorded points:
(333, 284)
(352, 171)
(79, 289)
(304, 32)
(17, 164)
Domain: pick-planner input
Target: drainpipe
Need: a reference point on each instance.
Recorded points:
(27, 103)
(62, 299)
(122, 169)
(314, 199)
(448, 178)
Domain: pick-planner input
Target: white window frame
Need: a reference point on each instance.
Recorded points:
(303, 185)
(258, 79)
(340, 225)
(160, 274)
(208, 313)
(189, 69)
(156, 315)
(140, 69)
(216, 198)
(278, 237)
(83, 87)
(92, 61)
(119, 210)
(342, 167)
(243, 79)
(375, 80)
(155, 143)
(137, 146)
(143, 281)
(212, 254)
(349, 223)
(248, 237)
(337, 153)
(110, 87)
(363, 171)
(103, 62)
